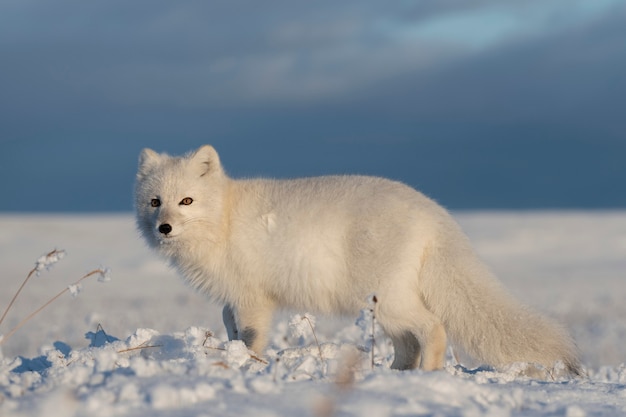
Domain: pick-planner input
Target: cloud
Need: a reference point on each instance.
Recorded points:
(206, 54)
(434, 92)
(489, 24)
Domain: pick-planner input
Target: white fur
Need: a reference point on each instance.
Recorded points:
(324, 244)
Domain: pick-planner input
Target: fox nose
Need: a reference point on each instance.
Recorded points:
(165, 228)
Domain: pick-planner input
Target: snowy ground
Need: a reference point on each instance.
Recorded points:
(144, 344)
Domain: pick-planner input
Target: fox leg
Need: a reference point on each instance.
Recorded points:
(434, 356)
(228, 316)
(418, 337)
(406, 351)
(249, 324)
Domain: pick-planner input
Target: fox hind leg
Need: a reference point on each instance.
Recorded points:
(434, 357)
(406, 351)
(418, 336)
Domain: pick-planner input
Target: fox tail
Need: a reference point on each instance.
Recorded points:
(482, 318)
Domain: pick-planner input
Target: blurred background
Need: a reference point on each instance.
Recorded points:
(482, 105)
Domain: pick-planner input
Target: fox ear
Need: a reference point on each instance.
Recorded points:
(147, 159)
(206, 160)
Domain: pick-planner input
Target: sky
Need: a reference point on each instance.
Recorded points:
(488, 104)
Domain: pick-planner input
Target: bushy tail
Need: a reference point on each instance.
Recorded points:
(483, 319)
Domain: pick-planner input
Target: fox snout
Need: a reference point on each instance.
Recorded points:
(165, 228)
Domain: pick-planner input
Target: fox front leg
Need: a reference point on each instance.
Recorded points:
(228, 316)
(250, 325)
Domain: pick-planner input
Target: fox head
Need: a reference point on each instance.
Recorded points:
(179, 198)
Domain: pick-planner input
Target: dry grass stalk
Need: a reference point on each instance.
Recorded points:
(45, 261)
(255, 357)
(98, 271)
(207, 334)
(374, 300)
(319, 348)
(344, 383)
(140, 347)
(344, 380)
(100, 328)
(221, 364)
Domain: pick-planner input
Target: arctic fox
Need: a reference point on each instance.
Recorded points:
(326, 243)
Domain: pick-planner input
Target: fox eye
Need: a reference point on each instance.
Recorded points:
(155, 202)
(186, 201)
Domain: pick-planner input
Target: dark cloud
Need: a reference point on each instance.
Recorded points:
(523, 113)
(575, 78)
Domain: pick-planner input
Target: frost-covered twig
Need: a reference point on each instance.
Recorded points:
(319, 348)
(142, 346)
(372, 301)
(344, 383)
(255, 357)
(103, 275)
(297, 330)
(44, 262)
(207, 335)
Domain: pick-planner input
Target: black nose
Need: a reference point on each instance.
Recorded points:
(165, 228)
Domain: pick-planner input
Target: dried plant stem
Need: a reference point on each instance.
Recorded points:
(319, 348)
(374, 301)
(140, 347)
(207, 335)
(373, 339)
(255, 357)
(99, 328)
(344, 383)
(50, 301)
(30, 274)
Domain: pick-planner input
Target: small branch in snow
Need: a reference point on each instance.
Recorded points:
(44, 262)
(140, 347)
(221, 349)
(319, 348)
(48, 260)
(100, 272)
(297, 329)
(372, 301)
(208, 334)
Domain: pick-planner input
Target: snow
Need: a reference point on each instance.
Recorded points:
(142, 343)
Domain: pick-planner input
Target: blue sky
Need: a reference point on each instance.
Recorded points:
(482, 104)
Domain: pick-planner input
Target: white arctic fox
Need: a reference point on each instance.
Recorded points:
(325, 244)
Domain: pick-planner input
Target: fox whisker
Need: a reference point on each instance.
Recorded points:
(197, 219)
